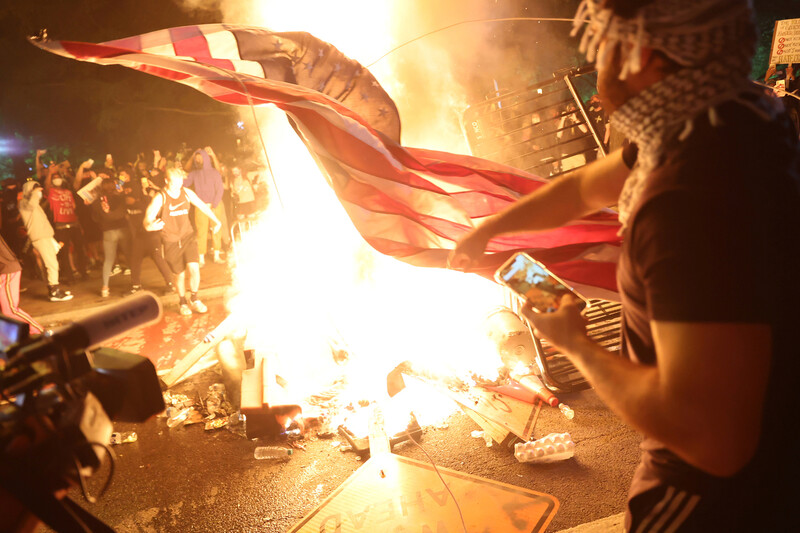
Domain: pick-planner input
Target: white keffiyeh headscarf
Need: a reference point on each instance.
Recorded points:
(712, 39)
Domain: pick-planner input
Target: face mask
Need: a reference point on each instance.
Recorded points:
(57, 182)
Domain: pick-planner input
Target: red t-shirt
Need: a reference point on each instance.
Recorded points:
(62, 204)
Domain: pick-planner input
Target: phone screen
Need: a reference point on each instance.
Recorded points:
(531, 280)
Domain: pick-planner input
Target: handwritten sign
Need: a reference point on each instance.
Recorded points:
(785, 42)
(396, 494)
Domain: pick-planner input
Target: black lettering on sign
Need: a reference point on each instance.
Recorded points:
(358, 519)
(387, 508)
(404, 503)
(440, 528)
(336, 527)
(439, 497)
(493, 401)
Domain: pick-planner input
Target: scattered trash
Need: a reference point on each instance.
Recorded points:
(554, 447)
(273, 453)
(178, 401)
(566, 411)
(216, 402)
(123, 437)
(216, 423)
(477, 434)
(293, 434)
(179, 418)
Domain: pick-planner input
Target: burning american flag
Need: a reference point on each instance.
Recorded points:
(408, 203)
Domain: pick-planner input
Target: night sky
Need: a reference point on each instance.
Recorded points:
(51, 101)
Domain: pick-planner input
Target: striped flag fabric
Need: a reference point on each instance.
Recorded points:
(409, 203)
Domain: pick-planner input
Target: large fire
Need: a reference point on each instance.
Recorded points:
(323, 306)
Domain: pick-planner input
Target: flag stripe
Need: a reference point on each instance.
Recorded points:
(410, 203)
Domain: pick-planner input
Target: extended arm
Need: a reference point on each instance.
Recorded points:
(203, 207)
(572, 196)
(39, 166)
(702, 400)
(151, 222)
(79, 174)
(213, 156)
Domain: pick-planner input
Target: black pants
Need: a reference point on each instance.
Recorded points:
(72, 237)
(147, 243)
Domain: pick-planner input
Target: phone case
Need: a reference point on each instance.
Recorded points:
(498, 276)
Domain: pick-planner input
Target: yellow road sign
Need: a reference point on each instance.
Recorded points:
(395, 494)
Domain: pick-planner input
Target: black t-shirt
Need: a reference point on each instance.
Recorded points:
(175, 214)
(716, 238)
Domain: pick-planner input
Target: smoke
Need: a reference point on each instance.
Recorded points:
(434, 78)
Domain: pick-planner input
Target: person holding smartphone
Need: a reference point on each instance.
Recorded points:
(707, 193)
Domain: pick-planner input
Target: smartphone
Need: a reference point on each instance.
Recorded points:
(531, 281)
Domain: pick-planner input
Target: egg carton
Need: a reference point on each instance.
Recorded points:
(549, 449)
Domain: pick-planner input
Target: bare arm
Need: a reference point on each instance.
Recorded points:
(203, 207)
(571, 196)
(39, 166)
(703, 399)
(213, 156)
(151, 222)
(48, 181)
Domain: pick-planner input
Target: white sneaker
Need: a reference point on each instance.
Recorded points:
(199, 306)
(185, 310)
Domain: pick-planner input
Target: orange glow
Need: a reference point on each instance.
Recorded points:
(307, 282)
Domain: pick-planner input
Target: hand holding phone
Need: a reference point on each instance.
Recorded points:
(536, 285)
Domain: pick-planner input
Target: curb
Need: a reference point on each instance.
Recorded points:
(168, 300)
(613, 523)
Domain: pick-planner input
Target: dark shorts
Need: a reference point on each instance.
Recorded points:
(181, 253)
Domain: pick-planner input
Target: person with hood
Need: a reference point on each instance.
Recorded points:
(206, 181)
(41, 233)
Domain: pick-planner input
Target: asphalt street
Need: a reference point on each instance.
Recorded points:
(190, 479)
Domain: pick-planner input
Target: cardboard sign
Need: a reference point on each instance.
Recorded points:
(396, 494)
(516, 416)
(90, 191)
(785, 42)
(507, 413)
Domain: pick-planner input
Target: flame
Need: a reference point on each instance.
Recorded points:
(308, 285)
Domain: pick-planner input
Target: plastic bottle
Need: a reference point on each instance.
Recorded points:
(566, 410)
(554, 447)
(275, 453)
(125, 436)
(178, 418)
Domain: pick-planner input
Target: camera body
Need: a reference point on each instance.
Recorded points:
(58, 402)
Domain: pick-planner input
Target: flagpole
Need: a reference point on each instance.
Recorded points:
(258, 128)
(443, 28)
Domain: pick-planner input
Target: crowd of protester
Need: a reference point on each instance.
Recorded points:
(63, 223)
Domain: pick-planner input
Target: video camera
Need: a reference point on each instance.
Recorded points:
(57, 401)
